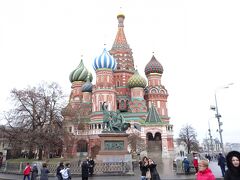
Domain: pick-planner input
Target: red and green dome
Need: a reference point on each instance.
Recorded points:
(137, 81)
(153, 66)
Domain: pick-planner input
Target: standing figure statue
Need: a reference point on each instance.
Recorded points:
(106, 117)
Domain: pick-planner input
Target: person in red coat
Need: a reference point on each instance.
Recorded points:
(204, 173)
(27, 172)
(195, 163)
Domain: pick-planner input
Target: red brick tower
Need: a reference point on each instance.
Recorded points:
(104, 90)
(156, 92)
(125, 66)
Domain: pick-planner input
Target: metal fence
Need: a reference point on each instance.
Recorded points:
(110, 168)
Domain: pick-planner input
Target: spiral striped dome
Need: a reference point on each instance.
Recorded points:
(79, 74)
(137, 81)
(153, 66)
(105, 60)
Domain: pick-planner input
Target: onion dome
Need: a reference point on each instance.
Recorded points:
(79, 74)
(137, 81)
(153, 66)
(105, 60)
(87, 86)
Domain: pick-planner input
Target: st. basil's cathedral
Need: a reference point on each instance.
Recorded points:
(142, 103)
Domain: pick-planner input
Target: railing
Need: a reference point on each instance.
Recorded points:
(116, 168)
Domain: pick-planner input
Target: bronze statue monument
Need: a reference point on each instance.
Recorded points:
(113, 121)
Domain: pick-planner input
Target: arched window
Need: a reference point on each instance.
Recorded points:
(150, 136)
(127, 103)
(118, 84)
(117, 104)
(122, 103)
(158, 137)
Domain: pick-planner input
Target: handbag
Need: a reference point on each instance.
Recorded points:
(148, 174)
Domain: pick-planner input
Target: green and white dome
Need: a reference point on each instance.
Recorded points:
(79, 74)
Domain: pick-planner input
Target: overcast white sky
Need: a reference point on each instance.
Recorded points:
(197, 42)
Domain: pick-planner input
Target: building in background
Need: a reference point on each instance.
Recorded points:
(142, 103)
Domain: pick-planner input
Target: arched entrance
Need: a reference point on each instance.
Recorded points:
(150, 137)
(154, 142)
(82, 146)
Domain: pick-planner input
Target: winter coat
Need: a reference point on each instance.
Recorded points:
(85, 169)
(27, 170)
(34, 173)
(186, 164)
(143, 168)
(195, 162)
(233, 173)
(205, 175)
(59, 175)
(66, 174)
(221, 161)
(44, 173)
(91, 166)
(154, 173)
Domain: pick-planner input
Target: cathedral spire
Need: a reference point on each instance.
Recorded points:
(120, 40)
(121, 50)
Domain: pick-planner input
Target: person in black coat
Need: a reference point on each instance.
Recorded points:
(221, 163)
(91, 166)
(85, 170)
(153, 170)
(143, 164)
(59, 168)
(34, 172)
(233, 164)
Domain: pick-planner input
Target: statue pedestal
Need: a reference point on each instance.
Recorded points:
(114, 148)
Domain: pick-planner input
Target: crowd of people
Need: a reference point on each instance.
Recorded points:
(203, 172)
(63, 172)
(148, 168)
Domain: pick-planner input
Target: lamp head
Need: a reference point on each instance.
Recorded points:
(212, 107)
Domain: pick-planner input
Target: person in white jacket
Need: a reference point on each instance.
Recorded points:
(66, 174)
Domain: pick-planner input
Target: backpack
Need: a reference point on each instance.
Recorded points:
(64, 173)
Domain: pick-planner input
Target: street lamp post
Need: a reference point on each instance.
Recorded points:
(218, 116)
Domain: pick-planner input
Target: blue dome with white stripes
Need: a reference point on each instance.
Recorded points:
(105, 60)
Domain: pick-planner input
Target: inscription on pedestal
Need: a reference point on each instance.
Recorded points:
(113, 145)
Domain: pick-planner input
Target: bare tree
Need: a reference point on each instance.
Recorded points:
(188, 135)
(35, 122)
(136, 143)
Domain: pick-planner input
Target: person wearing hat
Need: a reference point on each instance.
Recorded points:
(186, 165)
(233, 164)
